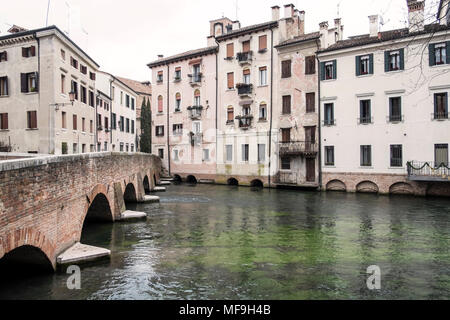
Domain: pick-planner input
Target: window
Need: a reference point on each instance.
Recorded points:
(395, 109)
(175, 155)
(29, 82)
(285, 163)
(160, 131)
(63, 55)
(364, 65)
(261, 153)
(83, 69)
(310, 65)
(132, 126)
(263, 76)
(230, 115)
(177, 74)
(3, 56)
(63, 83)
(122, 124)
(91, 126)
(286, 69)
(32, 120)
(366, 156)
(441, 154)
(262, 43)
(177, 129)
(205, 154)
(106, 123)
(439, 53)
(245, 152)
(64, 148)
(197, 127)
(113, 121)
(29, 52)
(440, 106)
(230, 80)
(161, 153)
(4, 86)
(286, 104)
(127, 101)
(91, 98)
(196, 72)
(83, 124)
(83, 94)
(178, 102)
(74, 88)
(128, 125)
(132, 103)
(230, 50)
(329, 114)
(262, 112)
(74, 122)
(75, 148)
(286, 135)
(3, 121)
(329, 156)
(246, 76)
(311, 102)
(229, 153)
(73, 62)
(121, 146)
(328, 70)
(394, 60)
(121, 98)
(365, 112)
(160, 104)
(92, 76)
(246, 46)
(396, 155)
(197, 98)
(159, 77)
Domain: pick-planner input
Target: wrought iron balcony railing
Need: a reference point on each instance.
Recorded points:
(287, 178)
(395, 118)
(244, 57)
(296, 148)
(195, 112)
(245, 122)
(195, 78)
(196, 138)
(428, 171)
(244, 89)
(439, 115)
(365, 120)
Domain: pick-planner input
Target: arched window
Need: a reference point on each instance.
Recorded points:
(160, 104)
(178, 102)
(247, 76)
(230, 114)
(197, 98)
(263, 111)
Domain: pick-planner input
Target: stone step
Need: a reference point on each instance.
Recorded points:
(164, 183)
(132, 215)
(150, 199)
(81, 253)
(159, 189)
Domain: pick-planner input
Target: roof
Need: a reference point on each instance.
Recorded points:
(249, 29)
(35, 31)
(114, 78)
(299, 39)
(384, 36)
(441, 3)
(137, 86)
(183, 56)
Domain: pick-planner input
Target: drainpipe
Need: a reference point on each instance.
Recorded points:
(217, 98)
(271, 109)
(168, 120)
(320, 116)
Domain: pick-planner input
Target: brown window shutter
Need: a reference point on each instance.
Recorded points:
(263, 68)
(231, 80)
(230, 113)
(24, 52)
(33, 51)
(286, 69)
(34, 118)
(286, 104)
(230, 50)
(246, 46)
(262, 43)
(23, 82)
(178, 69)
(74, 122)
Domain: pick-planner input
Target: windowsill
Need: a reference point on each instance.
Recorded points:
(4, 97)
(286, 114)
(394, 71)
(365, 124)
(367, 168)
(31, 129)
(286, 78)
(230, 123)
(177, 111)
(263, 86)
(159, 114)
(262, 51)
(31, 93)
(329, 80)
(286, 170)
(330, 166)
(365, 75)
(439, 65)
(262, 120)
(4, 130)
(396, 168)
(231, 90)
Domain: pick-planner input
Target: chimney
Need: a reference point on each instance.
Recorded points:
(236, 25)
(324, 34)
(339, 28)
(416, 15)
(373, 25)
(275, 13)
(288, 10)
(160, 56)
(301, 23)
(444, 12)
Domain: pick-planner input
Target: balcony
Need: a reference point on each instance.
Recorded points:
(439, 116)
(195, 79)
(244, 90)
(99, 128)
(299, 148)
(244, 57)
(195, 112)
(365, 120)
(245, 122)
(428, 172)
(294, 179)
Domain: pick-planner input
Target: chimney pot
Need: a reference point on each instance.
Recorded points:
(275, 13)
(373, 25)
(416, 15)
(289, 10)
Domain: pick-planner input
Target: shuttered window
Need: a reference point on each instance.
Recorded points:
(245, 152)
(394, 60)
(229, 153)
(328, 70)
(3, 56)
(310, 65)
(441, 105)
(364, 65)
(329, 156)
(246, 46)
(230, 50)
(396, 155)
(230, 80)
(63, 120)
(441, 154)
(286, 104)
(366, 156)
(74, 122)
(230, 114)
(262, 43)
(286, 69)
(29, 52)
(160, 104)
(261, 153)
(4, 86)
(285, 135)
(29, 82)
(439, 53)
(32, 120)
(3, 121)
(310, 102)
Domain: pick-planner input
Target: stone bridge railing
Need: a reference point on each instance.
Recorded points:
(44, 200)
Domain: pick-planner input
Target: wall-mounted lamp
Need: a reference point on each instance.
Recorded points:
(72, 99)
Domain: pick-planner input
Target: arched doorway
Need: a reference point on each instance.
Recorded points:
(147, 185)
(233, 182)
(191, 180)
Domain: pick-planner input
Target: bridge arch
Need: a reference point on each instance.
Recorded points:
(191, 179)
(177, 178)
(146, 183)
(233, 182)
(130, 194)
(26, 259)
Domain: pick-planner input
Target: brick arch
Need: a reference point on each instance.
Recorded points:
(367, 187)
(98, 189)
(336, 185)
(27, 237)
(401, 188)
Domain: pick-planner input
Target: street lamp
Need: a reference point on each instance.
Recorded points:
(72, 99)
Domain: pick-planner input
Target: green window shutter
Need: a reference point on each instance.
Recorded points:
(432, 55)
(390, 108)
(334, 69)
(448, 52)
(386, 61)
(361, 110)
(371, 63)
(402, 59)
(358, 65)
(446, 103)
(322, 71)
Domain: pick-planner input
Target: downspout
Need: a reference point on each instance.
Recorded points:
(111, 110)
(320, 117)
(271, 110)
(168, 120)
(217, 97)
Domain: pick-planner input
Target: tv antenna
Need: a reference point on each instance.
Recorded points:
(48, 10)
(237, 9)
(68, 19)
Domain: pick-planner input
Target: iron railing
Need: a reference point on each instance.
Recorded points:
(439, 116)
(329, 122)
(195, 78)
(287, 178)
(428, 169)
(395, 118)
(245, 122)
(195, 112)
(365, 120)
(244, 89)
(293, 148)
(244, 57)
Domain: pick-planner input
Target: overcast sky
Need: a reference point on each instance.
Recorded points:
(123, 36)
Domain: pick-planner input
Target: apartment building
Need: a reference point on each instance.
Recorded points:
(384, 101)
(144, 94)
(40, 70)
(103, 122)
(184, 113)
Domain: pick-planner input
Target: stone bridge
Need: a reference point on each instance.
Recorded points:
(45, 201)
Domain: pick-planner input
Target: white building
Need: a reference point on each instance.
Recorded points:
(384, 103)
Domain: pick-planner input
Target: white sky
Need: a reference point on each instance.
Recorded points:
(123, 36)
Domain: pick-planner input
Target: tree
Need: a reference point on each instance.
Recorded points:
(146, 127)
